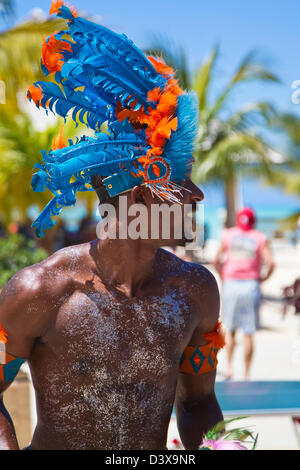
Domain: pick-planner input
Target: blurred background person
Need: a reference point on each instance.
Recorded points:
(239, 261)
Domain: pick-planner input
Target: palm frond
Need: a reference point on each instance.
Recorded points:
(237, 150)
(252, 114)
(250, 69)
(202, 79)
(20, 51)
(174, 56)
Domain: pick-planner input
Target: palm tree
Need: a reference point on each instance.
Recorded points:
(20, 54)
(288, 175)
(20, 149)
(225, 146)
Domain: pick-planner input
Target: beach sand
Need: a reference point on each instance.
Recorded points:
(277, 349)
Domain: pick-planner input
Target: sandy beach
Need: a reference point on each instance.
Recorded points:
(277, 348)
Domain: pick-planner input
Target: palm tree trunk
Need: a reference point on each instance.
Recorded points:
(231, 195)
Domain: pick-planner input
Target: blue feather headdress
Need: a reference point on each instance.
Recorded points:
(144, 124)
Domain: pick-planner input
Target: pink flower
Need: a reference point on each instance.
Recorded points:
(222, 444)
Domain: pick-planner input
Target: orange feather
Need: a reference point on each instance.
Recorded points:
(3, 335)
(56, 4)
(216, 337)
(52, 56)
(35, 93)
(59, 142)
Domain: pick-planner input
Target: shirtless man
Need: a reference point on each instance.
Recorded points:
(114, 331)
(103, 326)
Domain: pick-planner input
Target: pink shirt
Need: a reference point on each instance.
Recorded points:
(243, 253)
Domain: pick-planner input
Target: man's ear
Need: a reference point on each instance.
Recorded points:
(138, 196)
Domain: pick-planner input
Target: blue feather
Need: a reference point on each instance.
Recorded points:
(91, 155)
(118, 45)
(53, 208)
(111, 69)
(85, 110)
(109, 63)
(178, 150)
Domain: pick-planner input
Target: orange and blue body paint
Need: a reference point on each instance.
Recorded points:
(9, 364)
(198, 360)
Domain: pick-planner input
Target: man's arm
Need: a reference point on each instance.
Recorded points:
(8, 440)
(197, 408)
(267, 257)
(18, 307)
(218, 260)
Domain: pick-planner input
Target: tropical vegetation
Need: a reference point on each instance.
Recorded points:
(17, 252)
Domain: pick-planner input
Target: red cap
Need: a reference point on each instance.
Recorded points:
(246, 218)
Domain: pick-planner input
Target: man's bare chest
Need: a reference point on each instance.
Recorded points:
(98, 331)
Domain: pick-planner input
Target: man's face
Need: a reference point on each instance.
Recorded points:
(175, 221)
(161, 221)
(191, 194)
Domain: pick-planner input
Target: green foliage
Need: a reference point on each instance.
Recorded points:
(20, 150)
(17, 252)
(288, 175)
(220, 431)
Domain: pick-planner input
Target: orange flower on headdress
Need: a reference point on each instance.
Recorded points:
(52, 56)
(161, 120)
(160, 66)
(35, 94)
(59, 142)
(56, 4)
(3, 335)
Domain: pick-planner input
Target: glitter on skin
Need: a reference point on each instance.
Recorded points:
(111, 362)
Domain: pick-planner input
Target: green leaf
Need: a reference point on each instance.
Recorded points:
(202, 79)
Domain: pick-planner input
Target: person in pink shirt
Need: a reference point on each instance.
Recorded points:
(242, 254)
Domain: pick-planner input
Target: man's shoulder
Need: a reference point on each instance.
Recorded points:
(201, 290)
(33, 295)
(230, 231)
(193, 274)
(259, 235)
(44, 277)
(67, 260)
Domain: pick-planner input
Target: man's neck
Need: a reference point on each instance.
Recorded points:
(125, 264)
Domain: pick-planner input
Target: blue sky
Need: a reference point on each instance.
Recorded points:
(269, 27)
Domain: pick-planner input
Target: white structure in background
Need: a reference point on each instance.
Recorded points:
(40, 119)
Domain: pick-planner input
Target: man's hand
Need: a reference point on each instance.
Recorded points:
(267, 257)
(218, 260)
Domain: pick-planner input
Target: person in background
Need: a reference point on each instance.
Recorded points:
(240, 259)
